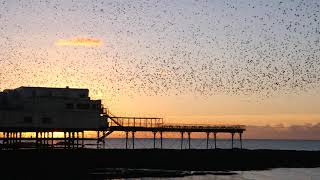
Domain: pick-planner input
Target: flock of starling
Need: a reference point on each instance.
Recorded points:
(162, 47)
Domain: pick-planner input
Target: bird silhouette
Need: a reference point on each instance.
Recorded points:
(153, 47)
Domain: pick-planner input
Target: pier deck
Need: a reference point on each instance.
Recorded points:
(182, 128)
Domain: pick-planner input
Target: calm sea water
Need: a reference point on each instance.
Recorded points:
(221, 143)
(273, 174)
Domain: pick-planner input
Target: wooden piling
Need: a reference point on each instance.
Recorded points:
(154, 140)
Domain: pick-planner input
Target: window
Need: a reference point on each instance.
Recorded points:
(27, 119)
(69, 106)
(46, 120)
(83, 106)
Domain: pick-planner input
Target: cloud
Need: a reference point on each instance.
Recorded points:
(307, 131)
(79, 42)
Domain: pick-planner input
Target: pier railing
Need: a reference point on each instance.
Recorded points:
(132, 121)
(135, 122)
(202, 126)
(159, 124)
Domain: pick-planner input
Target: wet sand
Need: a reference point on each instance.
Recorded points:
(104, 163)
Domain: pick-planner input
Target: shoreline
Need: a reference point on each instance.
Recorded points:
(86, 163)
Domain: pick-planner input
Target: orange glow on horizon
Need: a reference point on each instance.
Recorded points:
(79, 42)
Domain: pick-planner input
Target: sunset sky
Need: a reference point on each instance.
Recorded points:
(255, 63)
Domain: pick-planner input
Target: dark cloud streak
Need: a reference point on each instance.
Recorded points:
(301, 132)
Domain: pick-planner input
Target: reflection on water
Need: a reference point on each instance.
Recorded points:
(171, 143)
(221, 143)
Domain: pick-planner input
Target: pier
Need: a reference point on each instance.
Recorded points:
(74, 139)
(45, 112)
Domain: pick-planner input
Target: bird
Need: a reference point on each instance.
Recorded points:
(163, 48)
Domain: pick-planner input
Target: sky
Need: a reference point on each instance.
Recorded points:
(247, 62)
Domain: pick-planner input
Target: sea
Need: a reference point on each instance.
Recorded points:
(272, 174)
(175, 143)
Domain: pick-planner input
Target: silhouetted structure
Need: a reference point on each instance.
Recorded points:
(44, 111)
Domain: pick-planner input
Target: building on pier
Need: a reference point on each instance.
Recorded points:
(35, 108)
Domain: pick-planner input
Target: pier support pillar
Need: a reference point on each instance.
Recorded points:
(4, 137)
(160, 139)
(103, 140)
(98, 139)
(189, 139)
(240, 136)
(82, 141)
(182, 139)
(8, 137)
(69, 140)
(40, 139)
(12, 137)
(154, 140)
(48, 137)
(20, 135)
(133, 139)
(74, 140)
(37, 140)
(127, 139)
(232, 136)
(64, 139)
(9, 140)
(77, 139)
(44, 139)
(52, 140)
(215, 140)
(208, 134)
